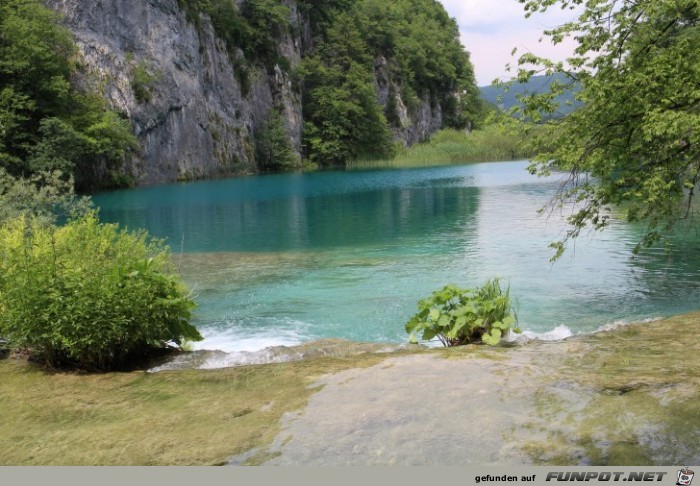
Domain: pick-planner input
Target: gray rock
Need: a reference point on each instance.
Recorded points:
(197, 120)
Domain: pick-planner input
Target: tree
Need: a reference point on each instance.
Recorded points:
(344, 121)
(635, 142)
(46, 123)
(273, 149)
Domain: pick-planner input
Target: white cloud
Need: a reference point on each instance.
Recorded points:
(477, 13)
(490, 29)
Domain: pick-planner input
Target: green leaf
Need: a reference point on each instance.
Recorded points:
(460, 322)
(486, 309)
(499, 325)
(429, 334)
(492, 338)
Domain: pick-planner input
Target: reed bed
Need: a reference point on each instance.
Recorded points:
(448, 147)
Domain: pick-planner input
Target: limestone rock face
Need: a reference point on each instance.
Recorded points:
(415, 124)
(194, 113)
(177, 85)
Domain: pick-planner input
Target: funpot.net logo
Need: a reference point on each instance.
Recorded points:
(606, 476)
(685, 477)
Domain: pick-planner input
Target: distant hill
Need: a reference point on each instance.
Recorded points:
(537, 84)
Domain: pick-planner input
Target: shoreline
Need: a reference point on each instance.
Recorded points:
(620, 397)
(339, 347)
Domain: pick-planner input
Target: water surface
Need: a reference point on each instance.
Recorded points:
(284, 259)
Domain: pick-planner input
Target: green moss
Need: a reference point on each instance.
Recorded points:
(168, 418)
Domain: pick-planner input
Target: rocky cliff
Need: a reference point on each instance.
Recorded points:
(181, 87)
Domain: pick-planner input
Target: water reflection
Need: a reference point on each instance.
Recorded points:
(367, 218)
(348, 255)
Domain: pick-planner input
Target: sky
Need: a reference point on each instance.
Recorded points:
(490, 29)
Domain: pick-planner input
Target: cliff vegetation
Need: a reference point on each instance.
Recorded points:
(206, 88)
(47, 123)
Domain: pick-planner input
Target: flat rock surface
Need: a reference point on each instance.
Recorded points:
(626, 397)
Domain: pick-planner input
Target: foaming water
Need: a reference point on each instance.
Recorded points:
(205, 359)
(559, 333)
(287, 259)
(229, 339)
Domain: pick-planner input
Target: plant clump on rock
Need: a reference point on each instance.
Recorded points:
(458, 316)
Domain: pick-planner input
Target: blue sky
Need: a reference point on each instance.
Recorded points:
(490, 29)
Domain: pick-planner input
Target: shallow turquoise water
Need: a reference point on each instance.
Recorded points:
(282, 259)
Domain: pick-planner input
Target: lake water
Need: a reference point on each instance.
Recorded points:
(288, 258)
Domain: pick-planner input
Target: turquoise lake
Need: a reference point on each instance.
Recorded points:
(288, 258)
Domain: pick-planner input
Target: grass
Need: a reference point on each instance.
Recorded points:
(448, 147)
(192, 417)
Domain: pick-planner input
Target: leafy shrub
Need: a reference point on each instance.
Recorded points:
(463, 316)
(47, 196)
(88, 294)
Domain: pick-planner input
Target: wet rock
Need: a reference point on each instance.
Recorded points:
(336, 348)
(625, 397)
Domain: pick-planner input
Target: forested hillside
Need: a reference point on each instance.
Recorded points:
(183, 89)
(507, 97)
(409, 49)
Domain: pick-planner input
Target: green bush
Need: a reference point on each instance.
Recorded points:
(47, 196)
(143, 80)
(463, 316)
(88, 294)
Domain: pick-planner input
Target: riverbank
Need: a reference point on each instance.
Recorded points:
(452, 147)
(628, 396)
